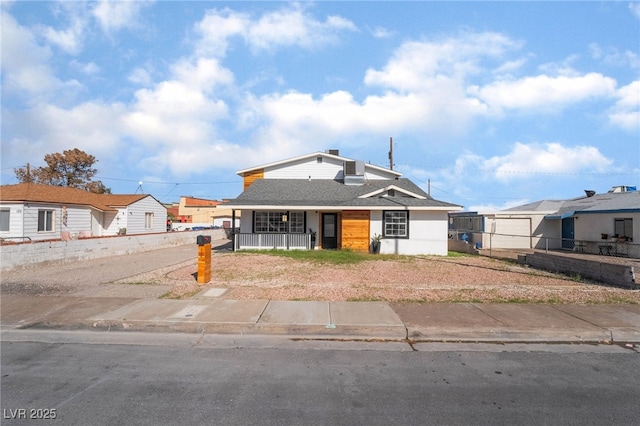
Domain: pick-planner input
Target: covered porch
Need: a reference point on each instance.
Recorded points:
(273, 241)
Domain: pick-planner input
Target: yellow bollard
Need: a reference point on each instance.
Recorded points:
(204, 263)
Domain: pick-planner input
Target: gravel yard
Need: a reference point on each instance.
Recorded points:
(427, 279)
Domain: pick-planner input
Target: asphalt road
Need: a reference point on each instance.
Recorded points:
(170, 379)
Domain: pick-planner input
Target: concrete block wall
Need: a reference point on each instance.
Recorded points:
(609, 273)
(462, 247)
(47, 252)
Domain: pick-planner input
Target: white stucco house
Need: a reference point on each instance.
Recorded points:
(605, 223)
(32, 212)
(326, 201)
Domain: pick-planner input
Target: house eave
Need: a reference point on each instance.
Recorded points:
(343, 207)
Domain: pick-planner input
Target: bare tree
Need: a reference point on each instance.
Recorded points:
(72, 168)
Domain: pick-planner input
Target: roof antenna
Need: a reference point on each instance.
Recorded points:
(139, 188)
(390, 153)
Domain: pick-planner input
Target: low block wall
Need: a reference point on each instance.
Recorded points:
(462, 247)
(47, 252)
(608, 273)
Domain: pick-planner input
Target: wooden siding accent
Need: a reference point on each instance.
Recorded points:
(249, 177)
(355, 230)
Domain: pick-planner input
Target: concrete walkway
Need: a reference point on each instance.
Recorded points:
(465, 322)
(208, 313)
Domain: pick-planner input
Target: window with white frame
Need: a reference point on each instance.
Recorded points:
(395, 224)
(624, 228)
(5, 214)
(148, 221)
(278, 222)
(45, 220)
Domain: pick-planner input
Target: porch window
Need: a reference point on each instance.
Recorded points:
(4, 220)
(148, 220)
(45, 220)
(624, 228)
(278, 222)
(395, 224)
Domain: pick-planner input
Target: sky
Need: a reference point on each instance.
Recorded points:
(489, 105)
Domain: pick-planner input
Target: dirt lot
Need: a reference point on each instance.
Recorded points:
(433, 279)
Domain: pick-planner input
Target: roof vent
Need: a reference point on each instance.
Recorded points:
(354, 172)
(623, 188)
(590, 192)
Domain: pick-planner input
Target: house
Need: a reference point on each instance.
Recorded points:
(204, 212)
(327, 201)
(41, 212)
(589, 223)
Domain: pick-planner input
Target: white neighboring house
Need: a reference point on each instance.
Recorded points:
(43, 212)
(323, 200)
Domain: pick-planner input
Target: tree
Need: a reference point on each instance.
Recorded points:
(72, 168)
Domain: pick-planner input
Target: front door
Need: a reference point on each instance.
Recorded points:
(329, 230)
(568, 230)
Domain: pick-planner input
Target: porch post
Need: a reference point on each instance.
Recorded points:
(233, 229)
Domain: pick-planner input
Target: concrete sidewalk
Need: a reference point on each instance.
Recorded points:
(73, 303)
(463, 322)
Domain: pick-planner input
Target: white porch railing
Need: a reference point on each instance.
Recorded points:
(272, 241)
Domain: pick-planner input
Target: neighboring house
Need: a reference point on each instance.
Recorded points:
(328, 201)
(173, 210)
(203, 212)
(592, 221)
(42, 212)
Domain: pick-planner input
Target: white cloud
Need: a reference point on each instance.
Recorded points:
(614, 57)
(543, 91)
(140, 76)
(92, 127)
(295, 28)
(381, 32)
(25, 63)
(88, 68)
(70, 40)
(289, 26)
(203, 75)
(549, 158)
(626, 112)
(634, 7)
(420, 65)
(116, 15)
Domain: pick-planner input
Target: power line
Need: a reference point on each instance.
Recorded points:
(169, 183)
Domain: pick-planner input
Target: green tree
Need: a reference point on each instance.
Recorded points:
(72, 168)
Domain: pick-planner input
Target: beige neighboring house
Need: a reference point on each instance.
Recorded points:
(32, 212)
(204, 212)
(605, 223)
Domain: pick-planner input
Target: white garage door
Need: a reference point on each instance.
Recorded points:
(512, 233)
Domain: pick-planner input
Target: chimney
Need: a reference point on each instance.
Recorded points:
(590, 192)
(332, 152)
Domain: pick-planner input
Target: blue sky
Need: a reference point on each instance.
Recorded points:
(495, 104)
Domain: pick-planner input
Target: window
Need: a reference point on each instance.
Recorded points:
(624, 228)
(279, 222)
(4, 220)
(45, 220)
(148, 221)
(395, 224)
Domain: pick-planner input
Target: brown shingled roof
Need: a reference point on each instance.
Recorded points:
(31, 192)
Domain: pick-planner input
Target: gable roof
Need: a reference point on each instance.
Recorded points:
(314, 155)
(35, 193)
(328, 193)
